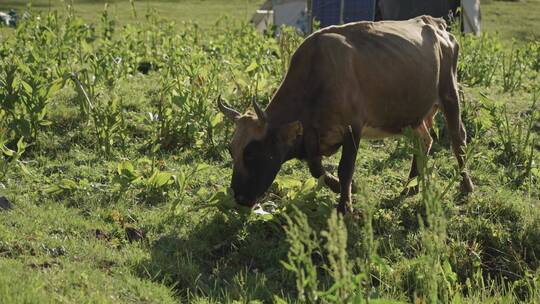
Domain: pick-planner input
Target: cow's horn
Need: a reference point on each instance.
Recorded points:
(260, 113)
(229, 112)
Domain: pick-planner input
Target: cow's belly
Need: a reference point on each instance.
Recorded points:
(330, 140)
(375, 133)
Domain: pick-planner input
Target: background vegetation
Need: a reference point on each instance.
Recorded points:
(113, 156)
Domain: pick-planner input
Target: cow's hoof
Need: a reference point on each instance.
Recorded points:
(354, 187)
(466, 186)
(344, 209)
(410, 191)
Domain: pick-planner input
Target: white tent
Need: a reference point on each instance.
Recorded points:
(282, 12)
(264, 17)
(295, 12)
(471, 16)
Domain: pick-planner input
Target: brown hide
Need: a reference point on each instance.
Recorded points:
(382, 77)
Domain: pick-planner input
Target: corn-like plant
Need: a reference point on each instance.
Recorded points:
(516, 139)
(333, 282)
(11, 158)
(106, 116)
(513, 68)
(479, 59)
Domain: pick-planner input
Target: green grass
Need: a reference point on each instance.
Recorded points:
(517, 20)
(511, 19)
(205, 12)
(69, 237)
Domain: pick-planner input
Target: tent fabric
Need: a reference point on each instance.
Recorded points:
(471, 16)
(407, 9)
(291, 12)
(262, 20)
(327, 12)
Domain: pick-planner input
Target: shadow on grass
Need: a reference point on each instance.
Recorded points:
(223, 258)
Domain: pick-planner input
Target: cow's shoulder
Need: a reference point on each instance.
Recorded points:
(438, 23)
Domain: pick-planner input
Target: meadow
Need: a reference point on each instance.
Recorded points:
(113, 157)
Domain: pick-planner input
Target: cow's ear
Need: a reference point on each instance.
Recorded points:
(292, 131)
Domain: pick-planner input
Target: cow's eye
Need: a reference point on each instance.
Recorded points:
(249, 154)
(251, 151)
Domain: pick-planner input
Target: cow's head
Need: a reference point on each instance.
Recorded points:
(258, 151)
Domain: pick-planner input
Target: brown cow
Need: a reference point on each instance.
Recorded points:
(359, 80)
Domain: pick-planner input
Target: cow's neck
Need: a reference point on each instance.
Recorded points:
(287, 105)
(280, 112)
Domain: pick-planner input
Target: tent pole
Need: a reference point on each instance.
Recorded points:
(341, 10)
(309, 16)
(375, 2)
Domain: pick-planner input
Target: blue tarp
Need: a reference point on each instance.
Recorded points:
(327, 12)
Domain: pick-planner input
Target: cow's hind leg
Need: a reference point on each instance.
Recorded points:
(426, 141)
(449, 99)
(346, 168)
(458, 135)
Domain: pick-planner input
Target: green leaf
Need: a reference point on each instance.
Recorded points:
(180, 180)
(7, 151)
(124, 167)
(45, 123)
(55, 87)
(23, 168)
(202, 167)
(216, 120)
(53, 189)
(286, 183)
(309, 185)
(27, 87)
(68, 184)
(252, 67)
(412, 183)
(159, 179)
(21, 146)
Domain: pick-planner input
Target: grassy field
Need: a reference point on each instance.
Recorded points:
(519, 20)
(204, 12)
(119, 189)
(511, 19)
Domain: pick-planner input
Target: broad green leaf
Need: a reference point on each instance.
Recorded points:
(7, 151)
(252, 67)
(159, 179)
(125, 166)
(180, 179)
(216, 119)
(53, 189)
(27, 87)
(309, 184)
(45, 123)
(68, 184)
(23, 168)
(55, 87)
(412, 183)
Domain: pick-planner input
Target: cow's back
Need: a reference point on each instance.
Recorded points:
(382, 75)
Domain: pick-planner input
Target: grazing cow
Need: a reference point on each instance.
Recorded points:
(360, 80)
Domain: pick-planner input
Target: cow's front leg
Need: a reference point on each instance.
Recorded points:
(346, 168)
(317, 170)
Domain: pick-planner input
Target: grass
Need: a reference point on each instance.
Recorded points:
(141, 214)
(512, 19)
(205, 12)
